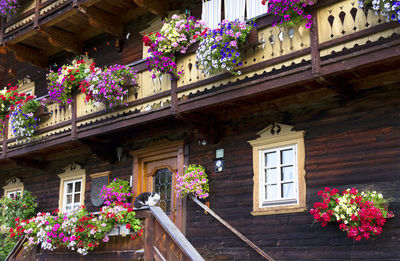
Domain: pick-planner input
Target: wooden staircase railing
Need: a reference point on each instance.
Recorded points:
(161, 241)
(165, 241)
(237, 233)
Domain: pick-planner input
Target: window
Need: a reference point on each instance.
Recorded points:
(14, 193)
(211, 13)
(72, 188)
(72, 194)
(27, 86)
(279, 175)
(14, 187)
(233, 9)
(162, 184)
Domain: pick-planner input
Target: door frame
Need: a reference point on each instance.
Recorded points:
(154, 152)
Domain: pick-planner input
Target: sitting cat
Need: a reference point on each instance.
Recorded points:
(146, 199)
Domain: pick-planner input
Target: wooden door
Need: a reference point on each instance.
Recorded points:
(154, 170)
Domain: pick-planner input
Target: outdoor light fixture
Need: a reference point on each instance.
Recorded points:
(219, 160)
(119, 153)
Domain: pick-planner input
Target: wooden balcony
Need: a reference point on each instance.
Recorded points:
(343, 52)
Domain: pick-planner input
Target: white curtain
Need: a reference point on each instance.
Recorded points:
(211, 13)
(234, 9)
(255, 8)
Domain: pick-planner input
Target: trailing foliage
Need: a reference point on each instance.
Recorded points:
(79, 230)
(109, 85)
(219, 48)
(62, 84)
(360, 214)
(23, 120)
(175, 37)
(389, 9)
(194, 182)
(117, 191)
(291, 12)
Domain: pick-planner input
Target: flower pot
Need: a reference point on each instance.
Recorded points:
(42, 112)
(252, 36)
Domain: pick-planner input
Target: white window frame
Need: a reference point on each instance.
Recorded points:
(72, 172)
(279, 200)
(278, 137)
(65, 204)
(12, 194)
(14, 185)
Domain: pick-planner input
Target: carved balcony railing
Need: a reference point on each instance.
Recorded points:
(342, 31)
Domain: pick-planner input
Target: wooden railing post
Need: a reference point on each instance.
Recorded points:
(149, 238)
(2, 21)
(5, 137)
(73, 117)
(37, 14)
(315, 55)
(174, 95)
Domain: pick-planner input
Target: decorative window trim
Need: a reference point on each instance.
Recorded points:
(27, 86)
(71, 172)
(275, 136)
(101, 174)
(13, 184)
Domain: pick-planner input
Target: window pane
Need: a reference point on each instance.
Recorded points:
(69, 199)
(77, 198)
(287, 157)
(162, 181)
(77, 186)
(69, 187)
(271, 176)
(288, 190)
(270, 159)
(271, 192)
(287, 173)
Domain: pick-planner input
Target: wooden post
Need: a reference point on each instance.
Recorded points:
(234, 231)
(5, 137)
(2, 21)
(37, 14)
(149, 238)
(315, 55)
(73, 118)
(174, 95)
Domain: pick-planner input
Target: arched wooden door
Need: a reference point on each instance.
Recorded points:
(154, 170)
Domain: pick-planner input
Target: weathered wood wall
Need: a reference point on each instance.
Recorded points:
(348, 144)
(45, 184)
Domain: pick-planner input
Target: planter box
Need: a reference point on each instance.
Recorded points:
(119, 230)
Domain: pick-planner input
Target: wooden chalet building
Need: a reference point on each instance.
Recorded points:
(327, 98)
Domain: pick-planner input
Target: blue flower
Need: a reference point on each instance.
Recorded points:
(237, 54)
(233, 61)
(229, 55)
(240, 64)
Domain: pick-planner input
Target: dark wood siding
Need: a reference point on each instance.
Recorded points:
(348, 144)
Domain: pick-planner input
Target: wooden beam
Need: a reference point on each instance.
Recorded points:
(157, 7)
(103, 151)
(103, 21)
(27, 54)
(31, 163)
(59, 38)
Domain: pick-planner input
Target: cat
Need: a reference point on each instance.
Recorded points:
(146, 199)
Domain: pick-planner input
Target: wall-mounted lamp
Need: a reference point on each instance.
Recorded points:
(203, 142)
(219, 160)
(119, 153)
